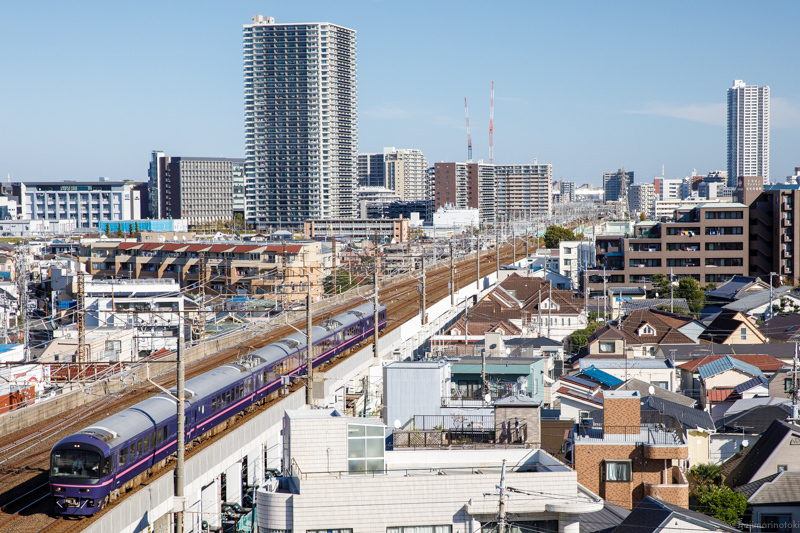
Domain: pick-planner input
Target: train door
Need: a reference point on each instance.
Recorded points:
(210, 504)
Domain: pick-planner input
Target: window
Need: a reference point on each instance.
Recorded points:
(776, 522)
(420, 529)
(618, 470)
(329, 531)
(782, 468)
(365, 447)
(606, 347)
(743, 334)
(787, 385)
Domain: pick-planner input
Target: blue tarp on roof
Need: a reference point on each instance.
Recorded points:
(723, 364)
(603, 377)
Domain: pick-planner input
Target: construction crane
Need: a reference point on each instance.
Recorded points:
(469, 136)
(491, 128)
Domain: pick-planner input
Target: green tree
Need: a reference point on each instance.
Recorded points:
(642, 217)
(579, 339)
(555, 234)
(705, 474)
(722, 503)
(686, 288)
(344, 282)
(136, 227)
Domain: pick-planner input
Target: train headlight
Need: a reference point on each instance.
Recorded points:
(59, 489)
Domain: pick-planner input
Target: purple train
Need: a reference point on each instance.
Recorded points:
(93, 466)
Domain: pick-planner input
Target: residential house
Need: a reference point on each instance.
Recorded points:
(534, 306)
(734, 289)
(576, 397)
(743, 424)
(654, 515)
(782, 328)
(658, 372)
(747, 367)
(605, 342)
(732, 327)
(774, 452)
(683, 353)
(648, 389)
(645, 330)
(781, 383)
(625, 460)
(774, 502)
(604, 379)
(764, 304)
(697, 425)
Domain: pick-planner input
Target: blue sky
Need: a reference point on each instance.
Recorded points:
(88, 89)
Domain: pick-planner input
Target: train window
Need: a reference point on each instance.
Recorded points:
(106, 466)
(123, 456)
(153, 439)
(249, 387)
(213, 404)
(132, 453)
(146, 443)
(230, 396)
(165, 433)
(139, 447)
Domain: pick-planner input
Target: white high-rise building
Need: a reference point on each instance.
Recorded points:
(406, 173)
(301, 124)
(748, 132)
(641, 199)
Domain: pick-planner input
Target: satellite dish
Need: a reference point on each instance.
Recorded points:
(508, 351)
(651, 390)
(745, 443)
(397, 423)
(488, 398)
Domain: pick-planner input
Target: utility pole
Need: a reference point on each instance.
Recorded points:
(549, 308)
(501, 520)
(478, 261)
(770, 313)
(484, 385)
(180, 480)
(333, 253)
(309, 342)
(375, 353)
(670, 290)
(423, 303)
(452, 278)
(795, 393)
(497, 255)
(81, 316)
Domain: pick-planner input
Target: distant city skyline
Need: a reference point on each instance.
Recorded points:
(91, 89)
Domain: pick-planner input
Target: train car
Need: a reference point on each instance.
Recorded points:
(97, 463)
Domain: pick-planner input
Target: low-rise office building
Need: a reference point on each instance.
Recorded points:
(397, 229)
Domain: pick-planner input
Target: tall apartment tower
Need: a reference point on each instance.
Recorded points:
(748, 132)
(370, 170)
(406, 173)
(301, 124)
(615, 185)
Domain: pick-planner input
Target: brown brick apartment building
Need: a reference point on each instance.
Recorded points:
(624, 461)
(282, 269)
(707, 242)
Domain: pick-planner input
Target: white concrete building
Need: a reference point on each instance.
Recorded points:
(27, 228)
(641, 199)
(748, 132)
(574, 257)
(301, 122)
(406, 173)
(338, 476)
(86, 203)
(447, 217)
(668, 188)
(666, 208)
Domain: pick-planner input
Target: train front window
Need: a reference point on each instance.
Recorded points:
(75, 463)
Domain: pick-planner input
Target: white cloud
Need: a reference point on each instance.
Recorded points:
(784, 113)
(714, 114)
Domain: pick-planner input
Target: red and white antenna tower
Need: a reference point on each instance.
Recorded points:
(469, 136)
(491, 128)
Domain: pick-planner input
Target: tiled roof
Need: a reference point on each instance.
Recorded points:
(731, 289)
(574, 380)
(753, 421)
(750, 383)
(749, 488)
(719, 395)
(653, 515)
(751, 301)
(605, 520)
(765, 363)
(726, 324)
(783, 489)
(725, 363)
(518, 296)
(782, 327)
(597, 400)
(665, 325)
(606, 332)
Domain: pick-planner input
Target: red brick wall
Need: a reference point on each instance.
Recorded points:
(621, 413)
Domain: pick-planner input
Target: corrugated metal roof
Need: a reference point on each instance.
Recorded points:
(726, 363)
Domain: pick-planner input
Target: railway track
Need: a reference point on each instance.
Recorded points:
(24, 456)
